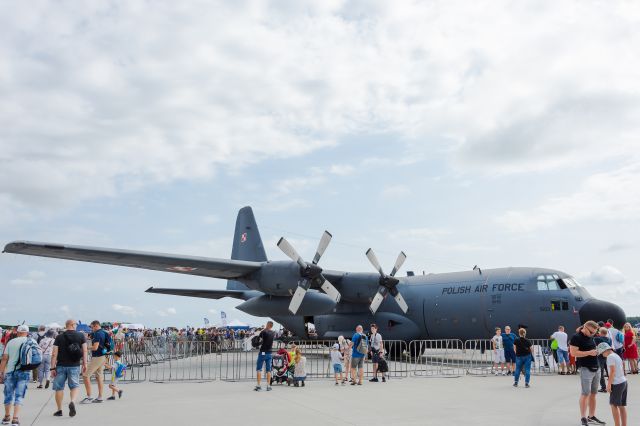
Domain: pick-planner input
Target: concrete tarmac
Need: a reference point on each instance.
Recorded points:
(467, 400)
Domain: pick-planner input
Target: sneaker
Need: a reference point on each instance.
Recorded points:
(111, 398)
(6, 420)
(120, 394)
(359, 383)
(497, 373)
(15, 421)
(594, 419)
(39, 387)
(87, 400)
(504, 373)
(584, 422)
(58, 413)
(97, 401)
(384, 379)
(375, 380)
(268, 388)
(526, 385)
(72, 409)
(336, 383)
(46, 385)
(602, 390)
(303, 384)
(515, 384)
(353, 383)
(257, 388)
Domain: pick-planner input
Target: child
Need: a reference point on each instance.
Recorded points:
(498, 352)
(616, 385)
(117, 371)
(336, 360)
(299, 375)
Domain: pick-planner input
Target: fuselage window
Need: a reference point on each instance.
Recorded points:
(542, 285)
(555, 305)
(496, 299)
(565, 306)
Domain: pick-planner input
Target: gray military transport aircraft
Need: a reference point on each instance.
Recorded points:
(463, 305)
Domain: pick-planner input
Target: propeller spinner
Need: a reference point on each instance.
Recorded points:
(310, 273)
(388, 283)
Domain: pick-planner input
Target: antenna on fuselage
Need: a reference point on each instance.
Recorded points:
(479, 270)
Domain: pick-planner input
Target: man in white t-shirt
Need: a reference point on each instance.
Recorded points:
(617, 338)
(616, 385)
(563, 350)
(377, 351)
(15, 381)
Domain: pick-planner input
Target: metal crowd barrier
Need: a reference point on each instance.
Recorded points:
(481, 359)
(165, 359)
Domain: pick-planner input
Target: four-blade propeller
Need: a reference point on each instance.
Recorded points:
(310, 273)
(388, 284)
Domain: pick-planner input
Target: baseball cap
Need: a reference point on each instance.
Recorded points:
(23, 329)
(607, 324)
(336, 346)
(602, 347)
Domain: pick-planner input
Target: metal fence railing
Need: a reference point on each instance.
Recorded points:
(163, 360)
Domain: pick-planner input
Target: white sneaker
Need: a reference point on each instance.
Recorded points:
(87, 400)
(504, 373)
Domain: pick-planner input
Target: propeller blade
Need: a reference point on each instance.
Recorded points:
(377, 300)
(291, 252)
(400, 301)
(374, 261)
(331, 291)
(322, 246)
(298, 296)
(399, 261)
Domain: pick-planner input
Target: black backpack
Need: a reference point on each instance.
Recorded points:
(74, 350)
(256, 341)
(383, 367)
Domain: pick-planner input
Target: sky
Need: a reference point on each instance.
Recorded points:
(496, 133)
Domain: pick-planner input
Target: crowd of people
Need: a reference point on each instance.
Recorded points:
(597, 352)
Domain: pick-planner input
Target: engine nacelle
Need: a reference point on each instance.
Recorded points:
(279, 278)
(314, 303)
(359, 287)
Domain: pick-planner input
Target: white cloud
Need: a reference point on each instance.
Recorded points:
(604, 196)
(126, 310)
(65, 310)
(31, 278)
(395, 192)
(342, 169)
(166, 312)
(210, 219)
(171, 311)
(606, 276)
(138, 96)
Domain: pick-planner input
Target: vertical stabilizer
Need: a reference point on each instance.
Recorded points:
(247, 244)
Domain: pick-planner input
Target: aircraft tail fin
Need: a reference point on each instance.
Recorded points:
(247, 244)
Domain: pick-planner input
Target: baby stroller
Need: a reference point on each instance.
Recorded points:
(281, 372)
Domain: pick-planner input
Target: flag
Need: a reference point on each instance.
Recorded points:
(206, 321)
(223, 317)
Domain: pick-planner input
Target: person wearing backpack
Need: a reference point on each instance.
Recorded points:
(617, 338)
(360, 349)
(15, 380)
(69, 357)
(100, 345)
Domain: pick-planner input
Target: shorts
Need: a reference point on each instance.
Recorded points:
(498, 356)
(509, 355)
(375, 356)
(618, 396)
(264, 358)
(95, 366)
(357, 362)
(563, 356)
(71, 375)
(337, 368)
(15, 387)
(589, 381)
(114, 380)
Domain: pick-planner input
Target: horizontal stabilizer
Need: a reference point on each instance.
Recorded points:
(190, 265)
(205, 294)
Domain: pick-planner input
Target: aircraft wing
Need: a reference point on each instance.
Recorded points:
(190, 265)
(205, 294)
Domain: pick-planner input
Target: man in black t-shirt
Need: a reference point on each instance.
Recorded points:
(583, 348)
(69, 354)
(264, 356)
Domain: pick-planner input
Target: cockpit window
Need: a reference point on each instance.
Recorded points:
(550, 283)
(570, 282)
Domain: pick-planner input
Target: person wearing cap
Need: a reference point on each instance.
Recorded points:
(602, 337)
(336, 361)
(616, 385)
(583, 348)
(15, 381)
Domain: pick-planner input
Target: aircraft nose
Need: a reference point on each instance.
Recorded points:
(600, 310)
